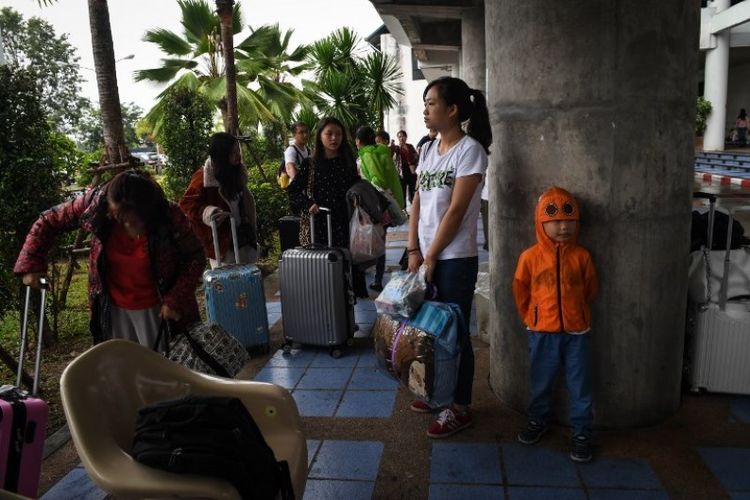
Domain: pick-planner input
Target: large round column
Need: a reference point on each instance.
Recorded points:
(473, 64)
(715, 88)
(598, 97)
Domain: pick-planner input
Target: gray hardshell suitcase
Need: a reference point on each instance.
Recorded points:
(721, 328)
(317, 301)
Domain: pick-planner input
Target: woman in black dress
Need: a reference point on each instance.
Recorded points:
(322, 181)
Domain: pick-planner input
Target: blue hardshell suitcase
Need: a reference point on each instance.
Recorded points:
(235, 298)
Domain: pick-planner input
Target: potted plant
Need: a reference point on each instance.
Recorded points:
(703, 109)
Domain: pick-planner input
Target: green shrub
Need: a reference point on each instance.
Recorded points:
(271, 204)
(30, 182)
(703, 109)
(184, 135)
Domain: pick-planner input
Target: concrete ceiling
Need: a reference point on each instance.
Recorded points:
(432, 28)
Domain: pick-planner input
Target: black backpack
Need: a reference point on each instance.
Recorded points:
(211, 436)
(282, 165)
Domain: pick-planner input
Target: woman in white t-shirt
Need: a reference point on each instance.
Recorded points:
(443, 222)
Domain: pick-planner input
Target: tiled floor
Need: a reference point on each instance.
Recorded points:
(479, 470)
(354, 387)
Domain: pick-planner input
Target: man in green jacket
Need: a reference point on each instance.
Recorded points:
(376, 165)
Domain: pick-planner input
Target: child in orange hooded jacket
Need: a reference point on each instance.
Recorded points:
(554, 283)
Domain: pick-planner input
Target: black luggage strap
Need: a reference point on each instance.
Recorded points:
(195, 345)
(286, 487)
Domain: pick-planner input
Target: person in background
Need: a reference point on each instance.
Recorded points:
(322, 181)
(376, 166)
(741, 125)
(144, 262)
(407, 160)
(217, 190)
(431, 136)
(443, 223)
(298, 150)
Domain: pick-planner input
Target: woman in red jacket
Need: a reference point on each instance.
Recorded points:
(144, 263)
(219, 189)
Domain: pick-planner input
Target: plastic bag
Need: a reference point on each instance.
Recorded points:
(403, 295)
(397, 215)
(366, 240)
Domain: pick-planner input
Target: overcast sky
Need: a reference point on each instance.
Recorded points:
(310, 19)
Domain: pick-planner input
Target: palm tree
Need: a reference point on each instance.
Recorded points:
(349, 84)
(225, 8)
(195, 60)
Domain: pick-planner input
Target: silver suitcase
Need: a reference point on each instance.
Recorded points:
(317, 301)
(721, 332)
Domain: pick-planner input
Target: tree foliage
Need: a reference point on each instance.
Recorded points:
(33, 45)
(188, 122)
(271, 203)
(351, 84)
(90, 130)
(30, 159)
(193, 59)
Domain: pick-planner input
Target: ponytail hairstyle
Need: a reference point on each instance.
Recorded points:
(472, 107)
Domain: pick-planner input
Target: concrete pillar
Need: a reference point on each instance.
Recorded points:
(715, 89)
(597, 97)
(473, 64)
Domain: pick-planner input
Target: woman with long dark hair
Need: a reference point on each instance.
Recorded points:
(216, 191)
(443, 223)
(144, 262)
(322, 181)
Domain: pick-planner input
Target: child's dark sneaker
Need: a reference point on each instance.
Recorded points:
(420, 406)
(533, 433)
(448, 423)
(580, 448)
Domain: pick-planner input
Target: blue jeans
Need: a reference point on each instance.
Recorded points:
(547, 351)
(455, 280)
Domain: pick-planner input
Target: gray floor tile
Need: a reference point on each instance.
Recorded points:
(730, 465)
(465, 492)
(367, 404)
(371, 378)
(316, 403)
(619, 473)
(536, 493)
(538, 466)
(608, 494)
(76, 484)
(476, 463)
(285, 376)
(343, 490)
(325, 378)
(353, 460)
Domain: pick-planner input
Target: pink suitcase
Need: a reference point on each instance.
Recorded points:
(23, 422)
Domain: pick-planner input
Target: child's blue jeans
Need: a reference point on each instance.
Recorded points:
(548, 352)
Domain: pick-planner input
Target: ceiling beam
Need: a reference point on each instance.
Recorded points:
(422, 11)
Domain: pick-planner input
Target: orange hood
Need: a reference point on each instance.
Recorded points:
(555, 204)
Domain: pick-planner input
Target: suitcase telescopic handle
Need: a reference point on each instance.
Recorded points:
(43, 285)
(328, 222)
(215, 235)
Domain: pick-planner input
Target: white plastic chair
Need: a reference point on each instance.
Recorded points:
(103, 389)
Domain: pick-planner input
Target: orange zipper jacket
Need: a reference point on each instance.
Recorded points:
(555, 282)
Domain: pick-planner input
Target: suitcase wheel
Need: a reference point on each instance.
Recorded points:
(335, 353)
(350, 341)
(287, 348)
